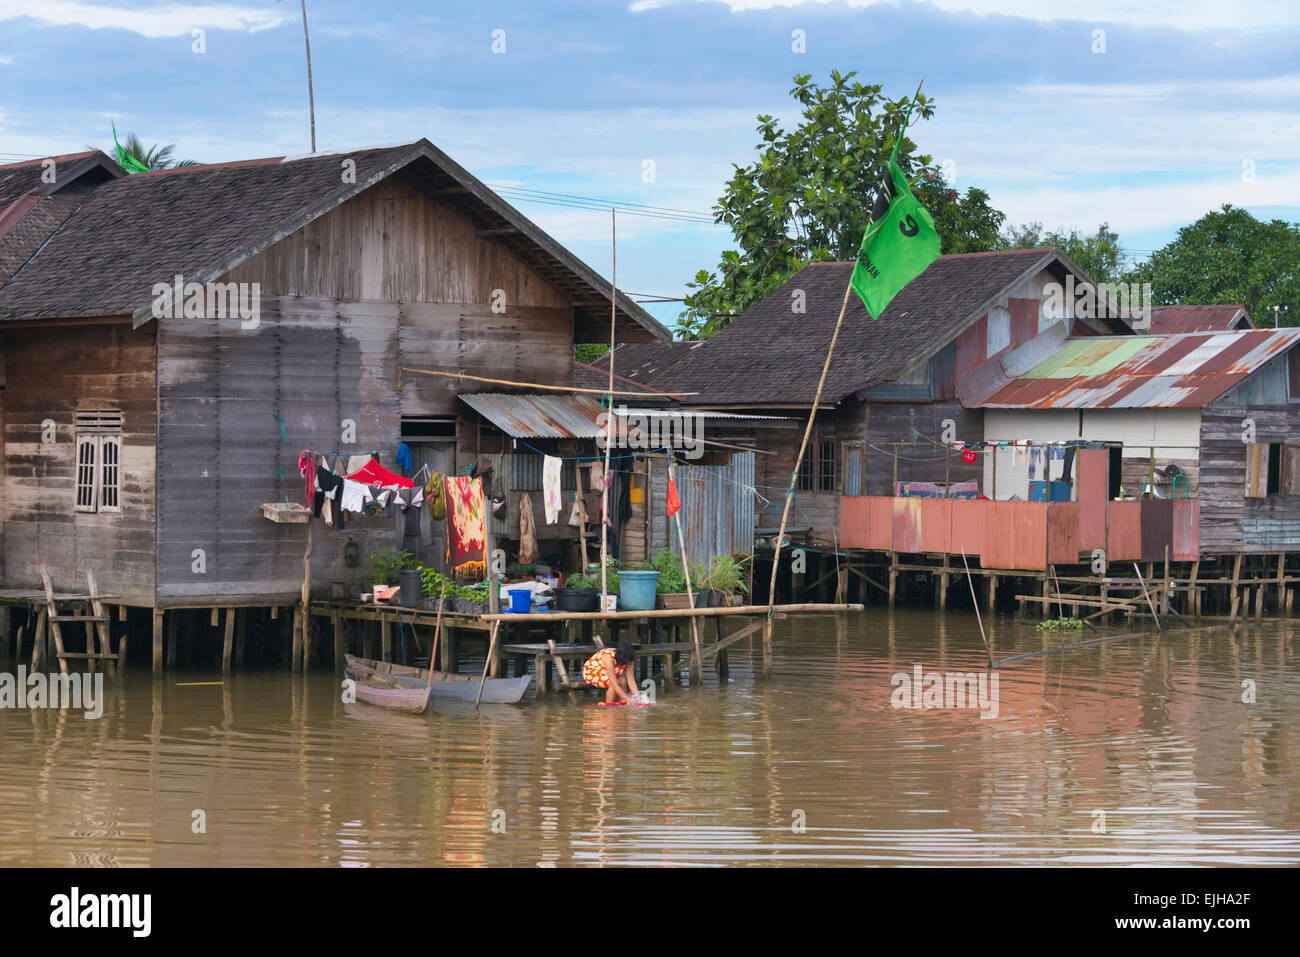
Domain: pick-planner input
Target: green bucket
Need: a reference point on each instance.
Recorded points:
(636, 590)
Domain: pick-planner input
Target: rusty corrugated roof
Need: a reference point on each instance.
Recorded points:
(1166, 320)
(539, 416)
(1129, 372)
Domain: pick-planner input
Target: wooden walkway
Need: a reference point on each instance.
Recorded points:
(667, 642)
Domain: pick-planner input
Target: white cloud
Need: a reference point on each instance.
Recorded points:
(1187, 14)
(169, 20)
(6, 59)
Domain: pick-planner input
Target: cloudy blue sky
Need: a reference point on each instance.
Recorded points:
(1147, 136)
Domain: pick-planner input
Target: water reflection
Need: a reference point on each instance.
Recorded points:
(814, 766)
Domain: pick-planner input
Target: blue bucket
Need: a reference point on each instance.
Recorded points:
(521, 600)
(636, 590)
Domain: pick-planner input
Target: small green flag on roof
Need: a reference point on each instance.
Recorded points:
(124, 159)
(898, 246)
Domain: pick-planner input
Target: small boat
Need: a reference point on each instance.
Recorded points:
(405, 688)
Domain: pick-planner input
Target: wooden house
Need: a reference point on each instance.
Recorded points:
(142, 429)
(974, 380)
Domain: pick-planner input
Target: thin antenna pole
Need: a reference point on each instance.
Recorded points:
(311, 96)
(609, 412)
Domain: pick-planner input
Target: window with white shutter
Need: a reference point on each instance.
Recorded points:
(99, 461)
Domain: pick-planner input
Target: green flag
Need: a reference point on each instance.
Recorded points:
(124, 159)
(897, 247)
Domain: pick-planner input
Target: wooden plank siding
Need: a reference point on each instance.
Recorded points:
(52, 372)
(391, 278)
(1231, 520)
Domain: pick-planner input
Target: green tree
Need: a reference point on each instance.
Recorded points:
(155, 157)
(1229, 256)
(808, 197)
(1099, 255)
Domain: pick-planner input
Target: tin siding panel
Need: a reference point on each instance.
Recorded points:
(855, 519)
(936, 524)
(967, 527)
(907, 524)
(1093, 469)
(1123, 531)
(1157, 530)
(1063, 532)
(1187, 521)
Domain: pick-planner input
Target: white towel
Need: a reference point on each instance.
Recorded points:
(353, 497)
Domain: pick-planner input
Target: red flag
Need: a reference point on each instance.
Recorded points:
(674, 503)
(968, 456)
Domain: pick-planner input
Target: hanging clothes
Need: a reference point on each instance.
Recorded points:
(328, 485)
(372, 473)
(354, 496)
(434, 493)
(551, 487)
(527, 531)
(466, 529)
(403, 458)
(307, 469)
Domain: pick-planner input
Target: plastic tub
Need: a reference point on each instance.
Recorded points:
(577, 599)
(521, 600)
(636, 590)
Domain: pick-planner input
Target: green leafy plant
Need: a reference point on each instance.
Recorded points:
(435, 581)
(672, 579)
(385, 564)
(725, 573)
(1058, 624)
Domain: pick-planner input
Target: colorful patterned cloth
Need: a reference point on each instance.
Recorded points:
(466, 532)
(551, 488)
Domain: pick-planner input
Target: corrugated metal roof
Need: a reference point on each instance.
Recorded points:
(539, 416)
(1129, 372)
(1171, 319)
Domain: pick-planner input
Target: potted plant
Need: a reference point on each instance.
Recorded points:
(385, 565)
(578, 593)
(706, 596)
(670, 586)
(726, 575)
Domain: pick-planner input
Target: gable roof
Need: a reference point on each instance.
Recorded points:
(1131, 372)
(201, 221)
(646, 361)
(771, 356)
(1173, 319)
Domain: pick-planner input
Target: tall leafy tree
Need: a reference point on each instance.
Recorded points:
(1229, 256)
(1099, 255)
(154, 157)
(809, 193)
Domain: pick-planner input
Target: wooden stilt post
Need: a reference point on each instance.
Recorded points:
(302, 619)
(1281, 583)
(1236, 595)
(172, 626)
(228, 645)
(101, 627)
(336, 631)
(1194, 598)
(893, 578)
(241, 632)
(386, 639)
(38, 649)
(158, 641)
(1164, 597)
(993, 592)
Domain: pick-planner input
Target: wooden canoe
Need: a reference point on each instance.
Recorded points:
(388, 681)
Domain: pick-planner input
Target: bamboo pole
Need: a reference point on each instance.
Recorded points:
(311, 95)
(1148, 596)
(741, 610)
(798, 460)
(974, 601)
(433, 652)
(690, 596)
(492, 644)
(537, 385)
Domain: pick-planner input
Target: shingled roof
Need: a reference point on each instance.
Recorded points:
(646, 361)
(130, 232)
(772, 356)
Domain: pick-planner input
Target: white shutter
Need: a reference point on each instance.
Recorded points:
(87, 473)
(110, 473)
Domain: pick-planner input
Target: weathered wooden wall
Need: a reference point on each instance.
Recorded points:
(52, 372)
(1230, 521)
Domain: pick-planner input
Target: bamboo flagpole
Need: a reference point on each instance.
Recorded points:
(876, 225)
(686, 571)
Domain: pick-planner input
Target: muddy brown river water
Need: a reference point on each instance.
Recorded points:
(1138, 751)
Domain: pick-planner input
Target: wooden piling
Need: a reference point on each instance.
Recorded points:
(228, 645)
(158, 641)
